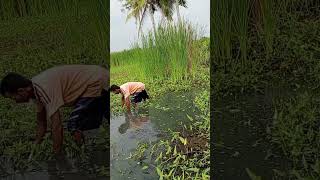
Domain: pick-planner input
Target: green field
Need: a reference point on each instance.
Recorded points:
(172, 60)
(39, 36)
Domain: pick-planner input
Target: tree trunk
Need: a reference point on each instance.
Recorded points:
(153, 23)
(138, 27)
(178, 11)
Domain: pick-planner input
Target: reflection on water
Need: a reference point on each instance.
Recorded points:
(147, 125)
(125, 133)
(133, 122)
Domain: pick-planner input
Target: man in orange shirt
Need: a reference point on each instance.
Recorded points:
(134, 89)
(82, 86)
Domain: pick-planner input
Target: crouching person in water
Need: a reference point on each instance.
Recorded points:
(134, 89)
(82, 86)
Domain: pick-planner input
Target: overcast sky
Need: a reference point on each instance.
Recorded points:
(123, 34)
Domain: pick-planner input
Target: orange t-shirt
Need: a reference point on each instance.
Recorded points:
(63, 85)
(130, 88)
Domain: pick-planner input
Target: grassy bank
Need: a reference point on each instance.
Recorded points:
(42, 36)
(250, 52)
(273, 43)
(172, 60)
(296, 130)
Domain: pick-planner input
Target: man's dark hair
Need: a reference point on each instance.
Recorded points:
(12, 82)
(114, 87)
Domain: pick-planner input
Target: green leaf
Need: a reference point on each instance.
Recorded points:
(316, 167)
(160, 173)
(297, 174)
(168, 150)
(183, 140)
(193, 169)
(145, 167)
(189, 117)
(305, 164)
(175, 150)
(171, 172)
(159, 157)
(252, 175)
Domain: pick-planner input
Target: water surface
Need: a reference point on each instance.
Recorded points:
(146, 125)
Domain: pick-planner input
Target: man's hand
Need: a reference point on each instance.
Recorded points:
(127, 100)
(78, 137)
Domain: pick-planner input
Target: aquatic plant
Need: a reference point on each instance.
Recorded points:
(295, 129)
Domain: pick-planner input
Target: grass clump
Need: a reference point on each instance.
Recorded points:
(45, 34)
(296, 129)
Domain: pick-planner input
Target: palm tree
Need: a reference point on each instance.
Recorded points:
(167, 7)
(180, 3)
(138, 9)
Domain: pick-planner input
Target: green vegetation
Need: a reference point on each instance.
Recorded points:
(296, 130)
(249, 52)
(37, 36)
(273, 43)
(172, 59)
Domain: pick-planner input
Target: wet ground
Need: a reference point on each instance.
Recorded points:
(67, 169)
(147, 125)
(240, 126)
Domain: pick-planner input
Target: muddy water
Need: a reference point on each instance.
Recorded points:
(48, 176)
(68, 169)
(240, 136)
(147, 125)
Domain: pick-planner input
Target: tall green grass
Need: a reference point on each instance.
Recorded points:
(126, 57)
(221, 32)
(168, 54)
(230, 30)
(82, 26)
(269, 25)
(241, 27)
(23, 8)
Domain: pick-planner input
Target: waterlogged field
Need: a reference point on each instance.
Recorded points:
(37, 37)
(275, 46)
(172, 141)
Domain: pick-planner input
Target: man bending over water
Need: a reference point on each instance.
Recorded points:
(82, 86)
(134, 89)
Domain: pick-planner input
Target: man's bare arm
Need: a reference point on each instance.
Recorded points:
(127, 100)
(41, 125)
(122, 100)
(57, 132)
